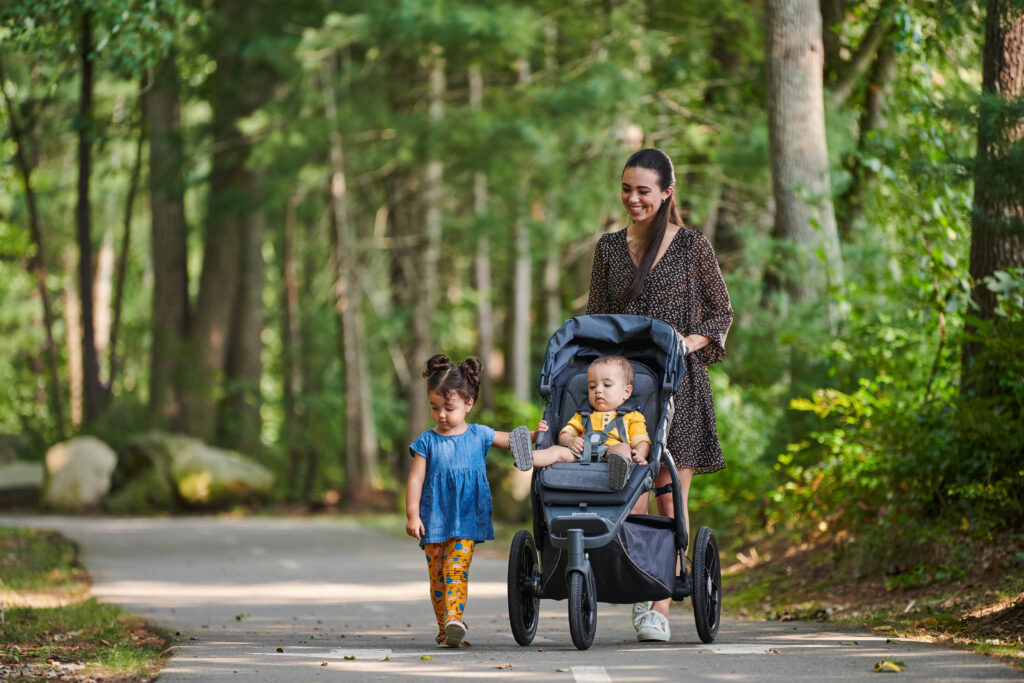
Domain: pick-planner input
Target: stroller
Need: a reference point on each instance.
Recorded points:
(586, 546)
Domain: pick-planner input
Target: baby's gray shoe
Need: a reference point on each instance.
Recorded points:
(522, 447)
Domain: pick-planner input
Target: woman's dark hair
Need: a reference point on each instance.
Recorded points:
(659, 162)
(446, 378)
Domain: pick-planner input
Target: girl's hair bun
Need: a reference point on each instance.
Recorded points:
(435, 363)
(472, 368)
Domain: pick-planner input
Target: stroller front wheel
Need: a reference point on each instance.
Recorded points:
(523, 577)
(582, 609)
(707, 585)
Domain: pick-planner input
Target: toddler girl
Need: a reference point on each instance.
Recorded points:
(448, 501)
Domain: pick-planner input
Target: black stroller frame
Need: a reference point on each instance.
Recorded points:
(586, 546)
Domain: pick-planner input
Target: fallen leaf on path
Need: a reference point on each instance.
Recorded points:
(889, 666)
(426, 658)
(280, 649)
(323, 663)
(562, 671)
(772, 651)
(850, 642)
(350, 657)
(240, 617)
(506, 665)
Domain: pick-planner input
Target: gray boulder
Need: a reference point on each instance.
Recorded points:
(158, 471)
(78, 474)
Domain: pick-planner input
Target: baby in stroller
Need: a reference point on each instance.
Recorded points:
(608, 431)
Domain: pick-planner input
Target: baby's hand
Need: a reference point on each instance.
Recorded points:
(576, 444)
(639, 459)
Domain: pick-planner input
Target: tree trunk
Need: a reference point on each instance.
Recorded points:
(92, 390)
(37, 264)
(291, 341)
(997, 225)
(482, 261)
(360, 430)
(871, 118)
(799, 156)
(239, 417)
(424, 299)
(122, 259)
(519, 353)
(169, 234)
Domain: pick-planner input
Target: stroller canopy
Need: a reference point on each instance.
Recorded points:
(649, 341)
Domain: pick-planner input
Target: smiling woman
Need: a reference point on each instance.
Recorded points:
(659, 268)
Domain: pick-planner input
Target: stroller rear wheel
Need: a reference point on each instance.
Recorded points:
(523, 573)
(582, 609)
(707, 585)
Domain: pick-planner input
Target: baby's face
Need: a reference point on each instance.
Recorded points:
(606, 385)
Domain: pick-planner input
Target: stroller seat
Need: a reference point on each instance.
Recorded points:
(573, 482)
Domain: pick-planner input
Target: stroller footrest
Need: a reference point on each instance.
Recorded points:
(590, 523)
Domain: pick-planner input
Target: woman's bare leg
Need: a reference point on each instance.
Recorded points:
(667, 509)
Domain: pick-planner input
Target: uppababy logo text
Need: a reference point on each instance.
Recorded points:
(584, 514)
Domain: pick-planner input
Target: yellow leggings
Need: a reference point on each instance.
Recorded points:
(448, 568)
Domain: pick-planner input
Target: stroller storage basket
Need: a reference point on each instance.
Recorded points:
(639, 564)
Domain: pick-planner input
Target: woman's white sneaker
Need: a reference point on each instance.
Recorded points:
(653, 626)
(639, 610)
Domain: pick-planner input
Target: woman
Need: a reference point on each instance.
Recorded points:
(659, 268)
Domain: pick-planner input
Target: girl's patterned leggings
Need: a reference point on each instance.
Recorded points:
(448, 567)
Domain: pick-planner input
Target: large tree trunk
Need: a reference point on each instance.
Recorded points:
(169, 233)
(799, 155)
(237, 88)
(360, 430)
(997, 226)
(239, 418)
(36, 265)
(92, 389)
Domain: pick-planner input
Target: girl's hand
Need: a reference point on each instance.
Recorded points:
(414, 527)
(542, 426)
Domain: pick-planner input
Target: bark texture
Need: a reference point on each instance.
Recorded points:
(997, 226)
(162, 114)
(801, 181)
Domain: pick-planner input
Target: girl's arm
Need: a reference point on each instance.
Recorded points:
(413, 492)
(501, 439)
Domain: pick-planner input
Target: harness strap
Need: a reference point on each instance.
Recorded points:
(592, 440)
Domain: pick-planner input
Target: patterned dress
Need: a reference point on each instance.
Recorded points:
(685, 289)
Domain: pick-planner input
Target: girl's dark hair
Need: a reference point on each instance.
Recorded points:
(659, 162)
(446, 378)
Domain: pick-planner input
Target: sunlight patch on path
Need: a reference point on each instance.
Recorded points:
(731, 648)
(175, 594)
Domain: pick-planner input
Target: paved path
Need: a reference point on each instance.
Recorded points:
(319, 600)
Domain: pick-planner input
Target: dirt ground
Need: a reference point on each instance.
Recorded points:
(981, 608)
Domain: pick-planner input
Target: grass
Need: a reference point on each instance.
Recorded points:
(51, 629)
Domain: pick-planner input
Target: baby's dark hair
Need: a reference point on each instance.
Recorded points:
(621, 361)
(446, 378)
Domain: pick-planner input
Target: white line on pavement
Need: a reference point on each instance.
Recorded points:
(590, 674)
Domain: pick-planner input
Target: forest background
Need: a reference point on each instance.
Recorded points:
(253, 221)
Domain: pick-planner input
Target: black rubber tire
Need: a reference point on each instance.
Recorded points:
(582, 610)
(523, 604)
(707, 585)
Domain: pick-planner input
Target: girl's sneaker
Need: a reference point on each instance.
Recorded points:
(522, 450)
(454, 631)
(442, 640)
